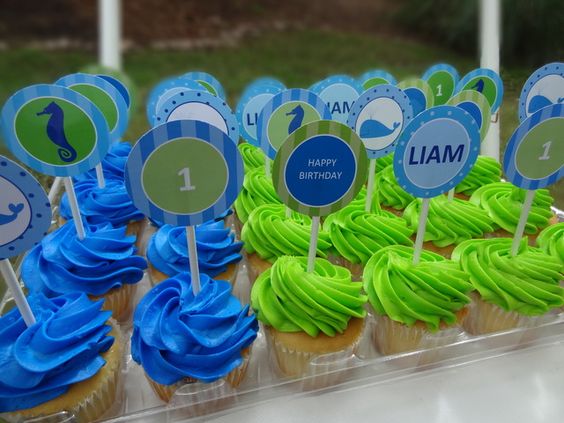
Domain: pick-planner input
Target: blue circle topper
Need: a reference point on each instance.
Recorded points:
(534, 157)
(339, 92)
(436, 151)
(249, 107)
(61, 126)
(486, 82)
(25, 212)
(83, 79)
(202, 106)
(543, 88)
(378, 117)
(375, 77)
(166, 89)
(151, 161)
(210, 82)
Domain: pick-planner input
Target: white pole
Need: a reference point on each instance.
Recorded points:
(490, 23)
(109, 33)
(193, 259)
(12, 281)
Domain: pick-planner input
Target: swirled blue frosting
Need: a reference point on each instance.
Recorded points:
(40, 363)
(61, 263)
(178, 335)
(216, 245)
(220, 218)
(97, 205)
(113, 163)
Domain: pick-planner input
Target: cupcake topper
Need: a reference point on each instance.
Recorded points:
(339, 92)
(435, 152)
(486, 82)
(25, 217)
(534, 158)
(255, 96)
(378, 117)
(544, 87)
(184, 173)
(283, 114)
(419, 92)
(210, 83)
(107, 98)
(376, 77)
(442, 79)
(477, 105)
(201, 106)
(56, 131)
(118, 79)
(166, 89)
(318, 170)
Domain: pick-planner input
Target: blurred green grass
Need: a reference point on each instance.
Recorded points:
(297, 58)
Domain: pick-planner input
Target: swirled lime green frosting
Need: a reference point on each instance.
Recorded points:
(356, 234)
(485, 171)
(389, 191)
(384, 162)
(253, 157)
(290, 299)
(449, 222)
(270, 234)
(431, 291)
(257, 190)
(504, 203)
(527, 283)
(551, 241)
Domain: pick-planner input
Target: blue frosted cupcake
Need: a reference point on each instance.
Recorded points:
(218, 252)
(103, 265)
(113, 163)
(180, 338)
(69, 360)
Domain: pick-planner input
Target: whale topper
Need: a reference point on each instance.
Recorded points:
(543, 88)
(56, 131)
(25, 211)
(486, 82)
(372, 128)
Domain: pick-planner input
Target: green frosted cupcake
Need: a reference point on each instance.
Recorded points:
(551, 241)
(253, 157)
(307, 315)
(413, 303)
(485, 171)
(511, 290)
(392, 197)
(269, 233)
(504, 203)
(449, 223)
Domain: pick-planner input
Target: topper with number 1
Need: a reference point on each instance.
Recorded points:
(434, 153)
(184, 173)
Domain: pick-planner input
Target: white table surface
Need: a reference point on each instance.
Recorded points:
(524, 386)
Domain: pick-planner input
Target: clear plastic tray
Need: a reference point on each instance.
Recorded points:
(138, 403)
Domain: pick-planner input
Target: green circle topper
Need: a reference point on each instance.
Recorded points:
(184, 173)
(534, 157)
(477, 105)
(320, 168)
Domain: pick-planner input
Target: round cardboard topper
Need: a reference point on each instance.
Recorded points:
(25, 211)
(376, 77)
(442, 79)
(286, 112)
(249, 107)
(419, 92)
(202, 106)
(486, 82)
(320, 168)
(120, 80)
(166, 89)
(55, 130)
(104, 96)
(436, 151)
(543, 88)
(265, 80)
(378, 117)
(184, 173)
(210, 83)
(339, 92)
(478, 107)
(534, 157)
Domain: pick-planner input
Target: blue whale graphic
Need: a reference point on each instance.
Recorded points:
(539, 101)
(56, 131)
(479, 85)
(373, 129)
(298, 113)
(15, 209)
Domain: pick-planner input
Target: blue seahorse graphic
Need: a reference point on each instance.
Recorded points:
(15, 209)
(56, 131)
(539, 101)
(373, 129)
(479, 85)
(298, 113)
